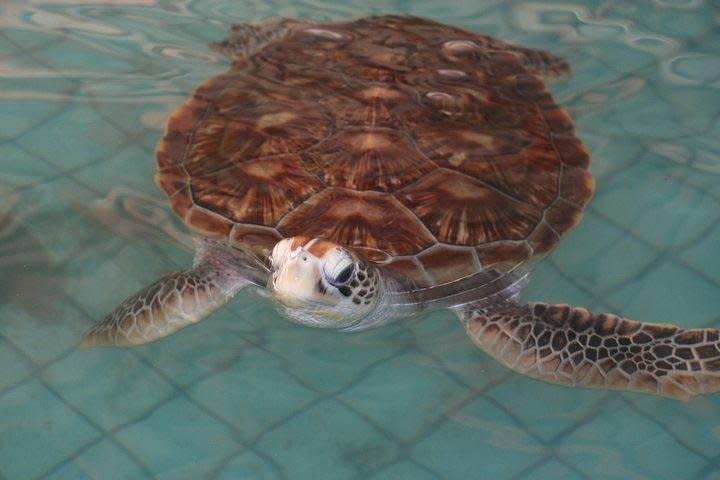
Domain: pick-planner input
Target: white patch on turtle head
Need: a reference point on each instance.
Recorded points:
(324, 33)
(452, 73)
(461, 45)
(321, 284)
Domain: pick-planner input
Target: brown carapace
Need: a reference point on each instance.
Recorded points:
(436, 156)
(430, 149)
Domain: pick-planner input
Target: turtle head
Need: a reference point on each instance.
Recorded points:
(320, 283)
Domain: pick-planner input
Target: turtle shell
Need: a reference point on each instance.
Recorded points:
(433, 150)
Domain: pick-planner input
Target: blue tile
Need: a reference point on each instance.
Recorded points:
(694, 159)
(405, 470)
(328, 360)
(245, 393)
(598, 255)
(327, 441)
(20, 117)
(696, 107)
(14, 366)
(551, 285)
(619, 54)
(111, 386)
(27, 82)
(248, 465)
(76, 82)
(76, 137)
(104, 460)
(70, 54)
(620, 443)
(38, 431)
(638, 112)
(478, 427)
(200, 350)
(442, 337)
(49, 212)
(149, 142)
(178, 440)
(609, 155)
(136, 119)
(202, 34)
(703, 254)
(43, 332)
(714, 473)
(408, 376)
(669, 293)
(577, 93)
(692, 423)
(680, 20)
(103, 279)
(545, 409)
(131, 168)
(18, 168)
(553, 470)
(31, 39)
(647, 200)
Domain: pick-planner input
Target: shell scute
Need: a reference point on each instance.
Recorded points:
(543, 238)
(504, 254)
(368, 158)
(408, 268)
(563, 215)
(208, 222)
(255, 238)
(461, 210)
(427, 147)
(359, 219)
(577, 185)
(531, 176)
(558, 121)
(181, 201)
(445, 263)
(171, 179)
(258, 191)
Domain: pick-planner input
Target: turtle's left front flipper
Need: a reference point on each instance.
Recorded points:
(178, 299)
(571, 346)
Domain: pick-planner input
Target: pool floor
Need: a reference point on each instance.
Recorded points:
(85, 88)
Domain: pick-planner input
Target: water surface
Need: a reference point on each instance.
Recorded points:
(85, 88)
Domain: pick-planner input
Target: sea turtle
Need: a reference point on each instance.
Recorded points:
(368, 170)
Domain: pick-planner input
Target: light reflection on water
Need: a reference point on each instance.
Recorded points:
(85, 89)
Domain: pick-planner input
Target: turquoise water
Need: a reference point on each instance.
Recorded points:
(85, 88)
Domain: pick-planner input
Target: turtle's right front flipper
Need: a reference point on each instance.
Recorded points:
(176, 300)
(574, 347)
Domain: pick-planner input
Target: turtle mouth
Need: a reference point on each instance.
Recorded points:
(297, 283)
(317, 316)
(292, 301)
(313, 312)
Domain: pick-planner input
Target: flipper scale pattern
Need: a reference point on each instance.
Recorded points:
(572, 346)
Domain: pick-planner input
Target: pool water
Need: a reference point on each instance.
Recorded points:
(85, 88)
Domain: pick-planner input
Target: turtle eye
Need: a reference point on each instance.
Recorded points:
(339, 272)
(344, 275)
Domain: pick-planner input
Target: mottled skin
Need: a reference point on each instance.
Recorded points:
(571, 346)
(176, 300)
(367, 170)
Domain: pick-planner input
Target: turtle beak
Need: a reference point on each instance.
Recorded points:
(296, 277)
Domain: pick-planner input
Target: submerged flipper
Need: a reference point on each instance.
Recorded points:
(248, 38)
(571, 346)
(178, 299)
